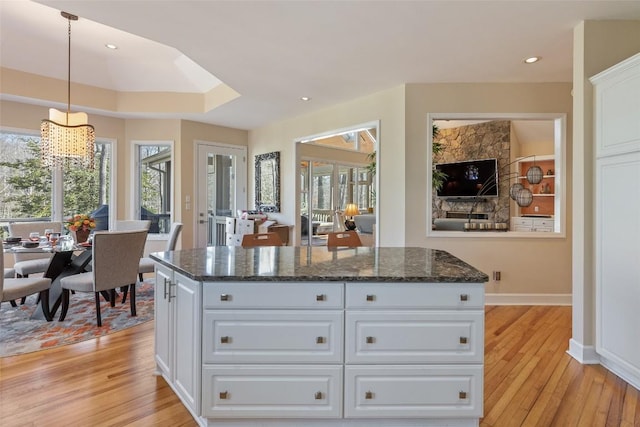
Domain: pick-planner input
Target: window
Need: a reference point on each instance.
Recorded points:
(25, 186)
(515, 141)
(153, 189)
(29, 191)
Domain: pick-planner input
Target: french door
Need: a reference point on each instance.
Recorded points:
(221, 189)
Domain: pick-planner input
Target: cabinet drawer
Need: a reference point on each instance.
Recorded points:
(416, 391)
(273, 295)
(250, 391)
(265, 336)
(414, 337)
(414, 295)
(521, 222)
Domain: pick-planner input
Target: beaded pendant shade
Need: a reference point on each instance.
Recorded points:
(67, 138)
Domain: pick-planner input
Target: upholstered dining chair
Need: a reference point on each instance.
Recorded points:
(15, 288)
(129, 225)
(132, 224)
(30, 263)
(147, 265)
(116, 256)
(343, 238)
(261, 239)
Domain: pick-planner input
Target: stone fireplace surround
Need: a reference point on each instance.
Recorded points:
(474, 142)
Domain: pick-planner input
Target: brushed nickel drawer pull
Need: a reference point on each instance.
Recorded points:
(321, 297)
(318, 395)
(225, 340)
(370, 340)
(464, 297)
(462, 395)
(371, 297)
(368, 395)
(321, 340)
(463, 340)
(225, 297)
(224, 395)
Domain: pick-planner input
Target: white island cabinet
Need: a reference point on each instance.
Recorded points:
(178, 337)
(322, 338)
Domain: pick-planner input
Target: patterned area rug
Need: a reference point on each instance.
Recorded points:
(19, 334)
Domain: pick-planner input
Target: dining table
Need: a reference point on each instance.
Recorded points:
(64, 262)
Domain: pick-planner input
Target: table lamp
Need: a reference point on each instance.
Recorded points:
(349, 212)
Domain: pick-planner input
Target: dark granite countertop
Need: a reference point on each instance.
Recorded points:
(300, 264)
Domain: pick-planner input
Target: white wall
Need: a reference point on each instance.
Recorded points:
(540, 266)
(386, 106)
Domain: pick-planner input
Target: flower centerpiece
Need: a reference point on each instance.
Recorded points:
(80, 226)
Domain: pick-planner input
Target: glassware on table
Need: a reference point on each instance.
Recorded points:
(48, 232)
(66, 243)
(34, 236)
(53, 238)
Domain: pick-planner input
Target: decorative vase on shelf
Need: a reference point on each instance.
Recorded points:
(81, 236)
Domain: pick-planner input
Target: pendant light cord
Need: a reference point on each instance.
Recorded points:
(69, 73)
(70, 17)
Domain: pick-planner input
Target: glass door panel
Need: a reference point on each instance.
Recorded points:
(221, 191)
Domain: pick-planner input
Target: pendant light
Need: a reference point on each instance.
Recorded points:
(67, 138)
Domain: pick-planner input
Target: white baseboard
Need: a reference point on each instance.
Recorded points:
(585, 354)
(528, 299)
(627, 375)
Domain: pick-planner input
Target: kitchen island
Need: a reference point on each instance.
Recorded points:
(291, 336)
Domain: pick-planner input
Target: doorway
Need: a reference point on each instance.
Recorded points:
(221, 190)
(335, 170)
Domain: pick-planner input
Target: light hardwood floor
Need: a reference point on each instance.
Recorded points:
(529, 380)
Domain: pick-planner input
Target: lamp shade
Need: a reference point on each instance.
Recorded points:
(67, 138)
(351, 210)
(534, 175)
(515, 188)
(524, 197)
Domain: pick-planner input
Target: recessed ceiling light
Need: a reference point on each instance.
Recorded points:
(532, 59)
(110, 46)
(305, 98)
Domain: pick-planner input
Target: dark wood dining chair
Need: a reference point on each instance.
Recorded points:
(261, 239)
(343, 239)
(116, 257)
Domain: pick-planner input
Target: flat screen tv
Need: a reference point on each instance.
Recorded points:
(472, 178)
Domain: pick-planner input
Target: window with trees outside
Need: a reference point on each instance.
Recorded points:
(30, 191)
(153, 201)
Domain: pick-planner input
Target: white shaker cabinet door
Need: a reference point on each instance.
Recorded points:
(188, 312)
(163, 322)
(272, 391)
(414, 336)
(272, 336)
(413, 391)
